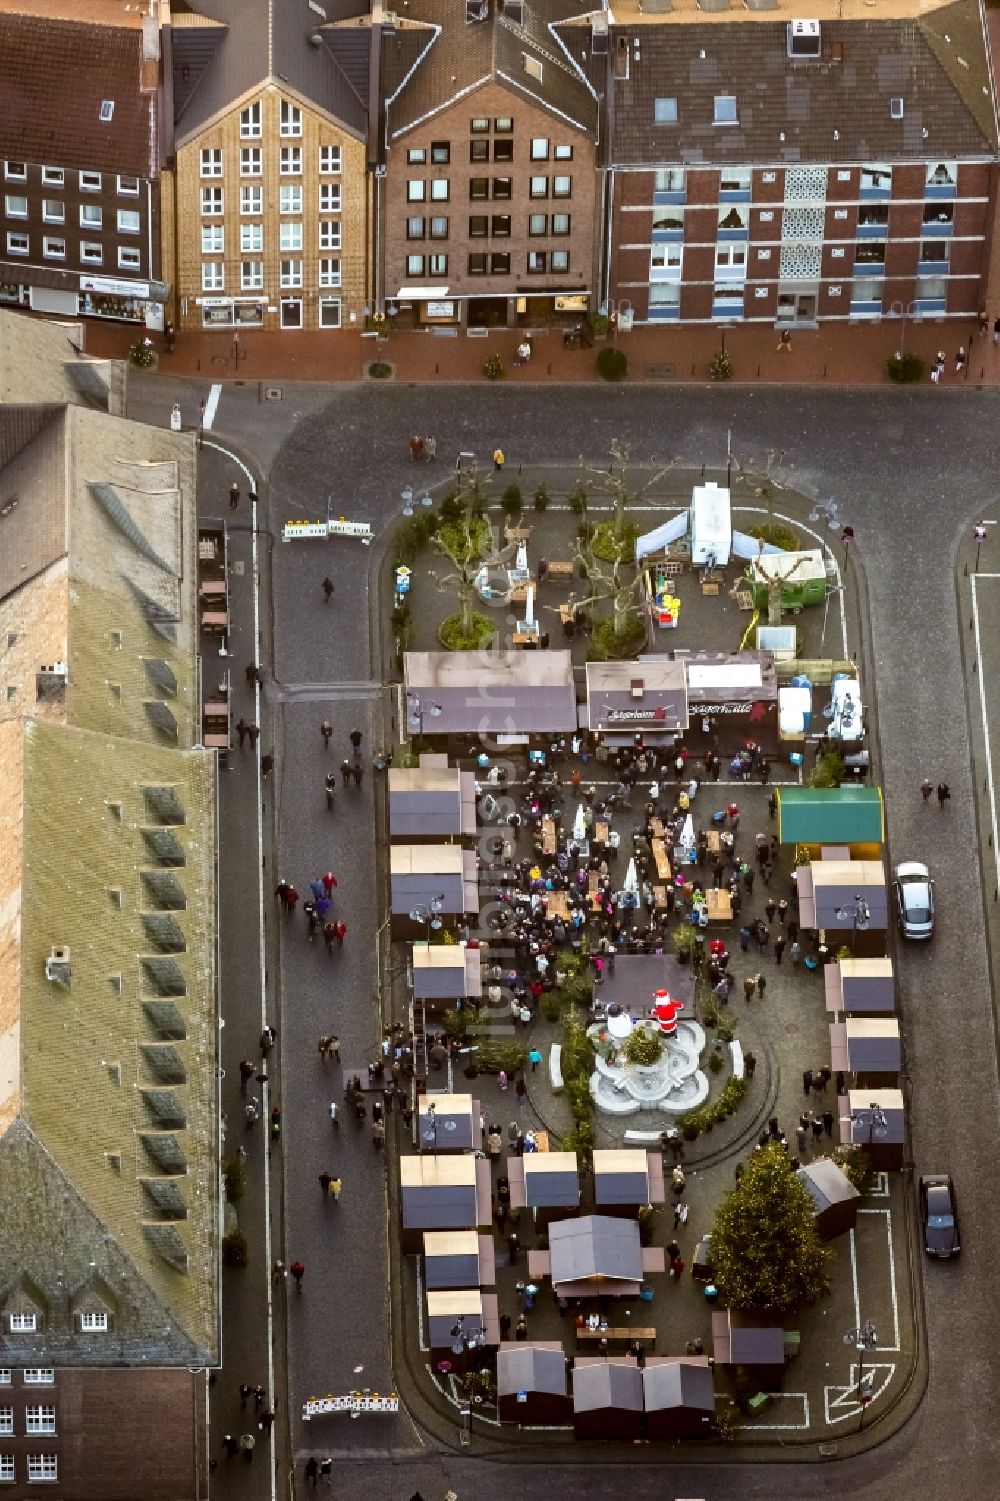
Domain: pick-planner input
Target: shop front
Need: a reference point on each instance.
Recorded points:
(637, 703)
(733, 696)
(431, 307)
(420, 306)
(124, 301)
(232, 312)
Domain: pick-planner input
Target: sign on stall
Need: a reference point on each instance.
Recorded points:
(353, 1402)
(304, 529)
(338, 528)
(342, 528)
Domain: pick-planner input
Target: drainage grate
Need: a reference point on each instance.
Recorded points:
(272, 393)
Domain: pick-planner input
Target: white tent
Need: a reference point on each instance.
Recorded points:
(580, 825)
(711, 525)
(661, 537)
(631, 877)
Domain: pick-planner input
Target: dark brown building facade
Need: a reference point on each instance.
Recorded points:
(77, 147)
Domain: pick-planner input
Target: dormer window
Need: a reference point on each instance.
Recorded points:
(94, 1323)
(532, 66)
(23, 1323)
(725, 110)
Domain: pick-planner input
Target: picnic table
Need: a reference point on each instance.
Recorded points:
(662, 859)
(660, 896)
(656, 824)
(648, 1336)
(713, 843)
(558, 905)
(548, 835)
(718, 905)
(601, 833)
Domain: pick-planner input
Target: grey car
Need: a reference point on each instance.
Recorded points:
(914, 899)
(939, 1215)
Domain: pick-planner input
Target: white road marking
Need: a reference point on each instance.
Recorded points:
(780, 1427)
(424, 1346)
(893, 1348)
(211, 406)
(847, 1396)
(990, 782)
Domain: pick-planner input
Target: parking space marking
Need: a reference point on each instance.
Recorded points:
(893, 1348)
(780, 1427)
(211, 406)
(990, 781)
(847, 1396)
(424, 1346)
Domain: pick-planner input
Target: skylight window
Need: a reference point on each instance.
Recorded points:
(725, 109)
(107, 110)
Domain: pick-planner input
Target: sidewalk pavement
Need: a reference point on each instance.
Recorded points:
(834, 354)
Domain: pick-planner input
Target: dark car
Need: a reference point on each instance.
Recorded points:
(701, 1265)
(939, 1215)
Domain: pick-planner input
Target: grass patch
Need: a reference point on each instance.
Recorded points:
(454, 636)
(777, 534)
(614, 544)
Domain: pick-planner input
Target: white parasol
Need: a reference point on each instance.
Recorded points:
(632, 877)
(580, 824)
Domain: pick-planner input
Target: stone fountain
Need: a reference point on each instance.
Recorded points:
(673, 1084)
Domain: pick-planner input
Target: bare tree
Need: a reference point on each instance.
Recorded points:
(469, 545)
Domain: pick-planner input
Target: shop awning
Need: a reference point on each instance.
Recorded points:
(422, 294)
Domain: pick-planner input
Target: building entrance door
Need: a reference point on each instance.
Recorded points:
(796, 309)
(487, 312)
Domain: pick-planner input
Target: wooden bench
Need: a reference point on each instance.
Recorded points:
(555, 1068)
(648, 1336)
(517, 533)
(560, 570)
(718, 904)
(643, 1138)
(739, 1067)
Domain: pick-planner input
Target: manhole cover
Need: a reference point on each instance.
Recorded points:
(239, 568)
(272, 393)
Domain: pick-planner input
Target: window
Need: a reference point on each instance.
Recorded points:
(211, 162)
(439, 228)
(440, 153)
(500, 263)
(559, 260)
(539, 149)
(539, 187)
(16, 171)
(291, 273)
(874, 213)
(91, 215)
(329, 234)
(250, 122)
(329, 273)
(479, 187)
(6, 1420)
(664, 111)
(91, 252)
(500, 226)
(896, 108)
(563, 153)
(734, 219)
(934, 250)
(562, 187)
(43, 1467)
(107, 111)
(437, 265)
(290, 161)
(439, 190)
(291, 312)
(290, 235)
(53, 212)
(251, 200)
(479, 151)
(290, 120)
(414, 229)
(478, 226)
(536, 262)
(502, 187)
(251, 161)
(725, 109)
(39, 1376)
(414, 265)
(330, 159)
(942, 174)
(870, 253)
(23, 1323)
(17, 243)
(53, 177)
(503, 151)
(128, 221)
(52, 249)
(251, 275)
(16, 206)
(477, 264)
(42, 1419)
(503, 125)
(211, 201)
(329, 197)
(939, 214)
(90, 182)
(538, 224)
(479, 126)
(128, 187)
(730, 261)
(532, 66)
(665, 262)
(213, 276)
(560, 224)
(669, 180)
(251, 238)
(329, 312)
(212, 241)
(416, 190)
(7, 1467)
(6, 1375)
(734, 180)
(876, 179)
(129, 258)
(290, 199)
(416, 156)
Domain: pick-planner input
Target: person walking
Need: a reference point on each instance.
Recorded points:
(677, 1268)
(378, 1134)
(817, 1127)
(498, 459)
(336, 1189)
(259, 1397)
(960, 359)
(326, 1468)
(345, 770)
(784, 345)
(807, 1080)
(356, 738)
(430, 449)
(247, 1071)
(312, 1470)
(327, 590)
(298, 1271)
(334, 1114)
(761, 986)
(329, 883)
(323, 1047)
(234, 495)
(677, 1180)
(770, 908)
(325, 1180)
(779, 949)
(247, 1445)
(253, 734)
(326, 730)
(246, 1392)
(926, 788)
(943, 794)
(266, 765)
(520, 1089)
(749, 1064)
(801, 1139)
(749, 986)
(241, 730)
(334, 1046)
(330, 786)
(828, 1122)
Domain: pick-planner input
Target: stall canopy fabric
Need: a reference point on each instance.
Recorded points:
(830, 815)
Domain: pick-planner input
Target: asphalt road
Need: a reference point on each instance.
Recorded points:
(911, 471)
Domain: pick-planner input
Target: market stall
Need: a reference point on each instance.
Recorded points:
(458, 1258)
(860, 986)
(626, 1179)
(531, 1384)
(678, 1397)
(507, 696)
(607, 1399)
(443, 1193)
(641, 702)
(447, 1122)
(446, 972)
(431, 802)
(835, 1199)
(868, 1048)
(734, 691)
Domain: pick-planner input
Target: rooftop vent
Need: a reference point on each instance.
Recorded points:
(476, 10)
(107, 110)
(636, 688)
(57, 970)
(804, 39)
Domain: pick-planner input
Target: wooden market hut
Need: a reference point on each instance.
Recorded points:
(447, 1122)
(444, 973)
(531, 1384)
(547, 1183)
(461, 1324)
(433, 879)
(431, 801)
(869, 1049)
(859, 1126)
(860, 987)
(607, 1399)
(835, 1199)
(595, 1256)
(626, 1179)
(748, 1339)
(439, 1192)
(828, 890)
(679, 1397)
(818, 816)
(458, 1258)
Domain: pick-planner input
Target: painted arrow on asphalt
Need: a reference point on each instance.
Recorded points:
(845, 1398)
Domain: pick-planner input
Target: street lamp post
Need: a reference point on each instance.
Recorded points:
(980, 535)
(432, 1134)
(417, 710)
(863, 1338)
(860, 915)
(430, 913)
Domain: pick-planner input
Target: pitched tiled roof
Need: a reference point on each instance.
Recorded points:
(54, 77)
(260, 40)
(834, 109)
(458, 56)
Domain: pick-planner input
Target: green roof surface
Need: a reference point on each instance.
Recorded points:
(830, 815)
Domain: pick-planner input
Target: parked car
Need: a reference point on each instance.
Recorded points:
(914, 899)
(939, 1215)
(701, 1264)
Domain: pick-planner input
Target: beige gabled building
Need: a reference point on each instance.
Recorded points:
(109, 1240)
(46, 362)
(265, 214)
